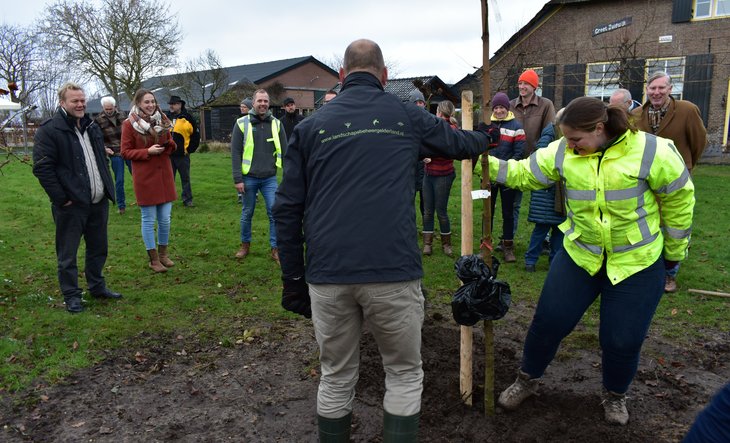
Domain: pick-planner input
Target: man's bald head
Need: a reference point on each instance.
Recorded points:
(364, 55)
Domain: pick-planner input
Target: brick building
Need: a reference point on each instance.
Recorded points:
(592, 47)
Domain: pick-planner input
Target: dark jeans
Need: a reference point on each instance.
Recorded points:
(118, 169)
(516, 217)
(538, 237)
(436, 191)
(72, 223)
(626, 311)
(713, 423)
(181, 164)
(508, 204)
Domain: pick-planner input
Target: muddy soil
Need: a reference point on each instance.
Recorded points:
(263, 389)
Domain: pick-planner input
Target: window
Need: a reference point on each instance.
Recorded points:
(672, 66)
(711, 8)
(602, 79)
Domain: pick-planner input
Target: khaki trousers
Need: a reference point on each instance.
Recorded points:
(393, 313)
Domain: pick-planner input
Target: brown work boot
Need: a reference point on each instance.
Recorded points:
(446, 244)
(508, 249)
(275, 255)
(427, 242)
(670, 284)
(155, 264)
(164, 258)
(243, 252)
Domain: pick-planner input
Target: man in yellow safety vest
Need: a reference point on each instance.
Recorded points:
(257, 145)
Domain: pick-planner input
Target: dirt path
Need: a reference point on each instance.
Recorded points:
(264, 390)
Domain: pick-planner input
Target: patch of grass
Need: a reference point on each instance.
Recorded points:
(213, 297)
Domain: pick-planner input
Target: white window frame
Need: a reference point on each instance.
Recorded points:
(715, 9)
(602, 82)
(674, 66)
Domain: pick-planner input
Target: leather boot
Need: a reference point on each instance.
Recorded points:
(446, 244)
(334, 430)
(164, 258)
(243, 252)
(427, 242)
(508, 249)
(399, 429)
(275, 255)
(155, 264)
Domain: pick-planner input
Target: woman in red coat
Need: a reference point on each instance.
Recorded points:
(146, 140)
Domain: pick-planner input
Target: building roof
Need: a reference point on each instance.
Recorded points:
(241, 74)
(401, 87)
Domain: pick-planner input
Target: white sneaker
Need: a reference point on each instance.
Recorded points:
(522, 388)
(614, 408)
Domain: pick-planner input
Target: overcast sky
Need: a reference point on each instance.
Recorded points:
(423, 37)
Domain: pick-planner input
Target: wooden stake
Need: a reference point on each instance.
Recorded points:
(487, 217)
(467, 246)
(713, 293)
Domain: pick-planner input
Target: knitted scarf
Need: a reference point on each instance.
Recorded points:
(155, 124)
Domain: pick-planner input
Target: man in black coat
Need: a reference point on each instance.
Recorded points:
(347, 192)
(187, 137)
(71, 165)
(291, 117)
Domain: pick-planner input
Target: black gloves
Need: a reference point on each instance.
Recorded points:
(491, 131)
(669, 265)
(295, 297)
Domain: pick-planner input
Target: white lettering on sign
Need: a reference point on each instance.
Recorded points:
(600, 29)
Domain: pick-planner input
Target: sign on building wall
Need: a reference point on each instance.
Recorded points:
(600, 29)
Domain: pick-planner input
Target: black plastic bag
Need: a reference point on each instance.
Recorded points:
(482, 297)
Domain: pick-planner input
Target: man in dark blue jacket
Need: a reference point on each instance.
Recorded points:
(347, 192)
(70, 163)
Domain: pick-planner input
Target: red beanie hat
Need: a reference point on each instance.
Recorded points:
(529, 77)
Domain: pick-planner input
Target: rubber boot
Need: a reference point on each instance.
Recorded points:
(508, 249)
(164, 258)
(446, 244)
(334, 430)
(243, 252)
(427, 242)
(399, 429)
(155, 264)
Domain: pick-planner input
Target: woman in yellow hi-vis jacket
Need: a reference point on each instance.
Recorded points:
(629, 202)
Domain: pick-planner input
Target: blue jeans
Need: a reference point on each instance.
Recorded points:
(672, 272)
(436, 191)
(517, 205)
(161, 214)
(626, 311)
(118, 169)
(251, 187)
(538, 237)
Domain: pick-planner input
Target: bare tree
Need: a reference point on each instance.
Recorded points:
(201, 81)
(119, 42)
(19, 62)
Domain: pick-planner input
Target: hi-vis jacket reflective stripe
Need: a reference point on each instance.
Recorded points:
(244, 123)
(614, 199)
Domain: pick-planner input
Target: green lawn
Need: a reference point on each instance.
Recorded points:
(211, 296)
